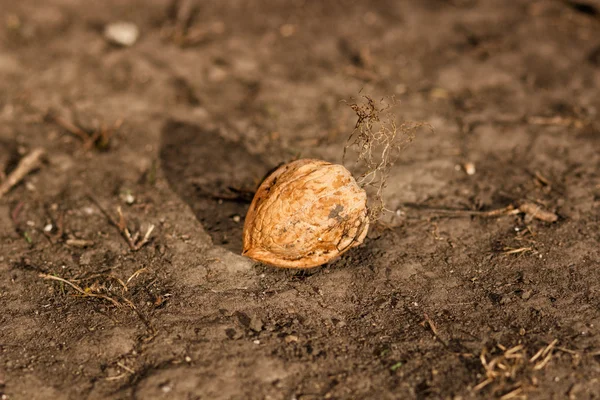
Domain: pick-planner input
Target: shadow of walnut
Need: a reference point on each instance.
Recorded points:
(216, 177)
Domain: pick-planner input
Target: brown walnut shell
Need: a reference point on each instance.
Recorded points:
(305, 214)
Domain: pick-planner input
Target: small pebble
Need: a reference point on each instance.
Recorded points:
(217, 74)
(166, 388)
(469, 168)
(256, 324)
(287, 30)
(122, 33)
(291, 339)
(127, 196)
(88, 210)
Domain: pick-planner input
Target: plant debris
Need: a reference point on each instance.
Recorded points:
(510, 371)
(30, 162)
(180, 26)
(532, 210)
(134, 241)
(378, 140)
(101, 288)
(99, 138)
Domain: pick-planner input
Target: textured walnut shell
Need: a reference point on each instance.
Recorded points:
(305, 214)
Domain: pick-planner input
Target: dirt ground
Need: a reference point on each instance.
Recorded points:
(443, 300)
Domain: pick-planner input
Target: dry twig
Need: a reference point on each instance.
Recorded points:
(556, 120)
(136, 274)
(499, 212)
(81, 243)
(84, 293)
(535, 211)
(447, 212)
(14, 215)
(180, 28)
(116, 377)
(509, 250)
(434, 330)
(531, 210)
(30, 162)
(68, 126)
(99, 137)
(542, 179)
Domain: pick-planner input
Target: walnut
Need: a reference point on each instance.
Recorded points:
(305, 214)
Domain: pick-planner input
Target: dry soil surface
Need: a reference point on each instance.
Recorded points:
(443, 300)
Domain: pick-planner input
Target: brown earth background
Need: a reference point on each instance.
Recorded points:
(437, 303)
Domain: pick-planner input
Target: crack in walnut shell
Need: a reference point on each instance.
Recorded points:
(305, 214)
